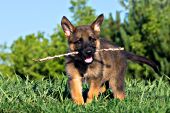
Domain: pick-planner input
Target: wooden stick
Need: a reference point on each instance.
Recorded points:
(74, 53)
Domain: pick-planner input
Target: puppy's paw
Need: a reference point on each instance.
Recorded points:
(89, 100)
(120, 96)
(79, 101)
(102, 89)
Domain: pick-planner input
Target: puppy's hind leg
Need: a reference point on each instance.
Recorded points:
(116, 83)
(104, 87)
(117, 87)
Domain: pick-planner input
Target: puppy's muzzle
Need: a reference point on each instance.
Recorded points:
(88, 55)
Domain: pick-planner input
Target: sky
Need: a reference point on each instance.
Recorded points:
(23, 17)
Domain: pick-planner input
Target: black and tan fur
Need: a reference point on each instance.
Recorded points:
(96, 68)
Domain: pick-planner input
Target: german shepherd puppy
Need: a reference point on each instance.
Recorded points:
(95, 67)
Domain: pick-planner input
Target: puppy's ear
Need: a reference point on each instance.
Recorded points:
(68, 28)
(97, 23)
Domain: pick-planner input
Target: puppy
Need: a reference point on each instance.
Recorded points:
(95, 67)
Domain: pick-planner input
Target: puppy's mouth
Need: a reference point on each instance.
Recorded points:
(87, 55)
(88, 60)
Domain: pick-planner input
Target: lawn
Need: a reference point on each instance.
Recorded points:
(52, 96)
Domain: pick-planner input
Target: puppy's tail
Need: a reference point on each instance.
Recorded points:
(141, 59)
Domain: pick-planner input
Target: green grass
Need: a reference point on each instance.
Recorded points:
(46, 96)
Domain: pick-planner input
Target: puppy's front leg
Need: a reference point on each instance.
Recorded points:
(76, 90)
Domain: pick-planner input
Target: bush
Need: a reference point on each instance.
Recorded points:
(24, 50)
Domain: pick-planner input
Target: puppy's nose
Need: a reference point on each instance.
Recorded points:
(89, 52)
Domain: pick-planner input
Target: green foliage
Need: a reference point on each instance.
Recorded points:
(146, 32)
(111, 29)
(24, 50)
(5, 63)
(82, 14)
(49, 96)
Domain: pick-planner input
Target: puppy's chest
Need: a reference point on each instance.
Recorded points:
(93, 71)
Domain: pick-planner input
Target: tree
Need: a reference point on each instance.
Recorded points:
(82, 13)
(111, 29)
(24, 50)
(5, 65)
(147, 33)
(32, 46)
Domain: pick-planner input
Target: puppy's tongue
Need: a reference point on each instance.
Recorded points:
(88, 60)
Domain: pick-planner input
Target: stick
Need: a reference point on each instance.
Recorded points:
(74, 53)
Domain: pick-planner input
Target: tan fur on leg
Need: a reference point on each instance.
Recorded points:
(93, 91)
(76, 90)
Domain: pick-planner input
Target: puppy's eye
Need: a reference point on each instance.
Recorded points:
(79, 41)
